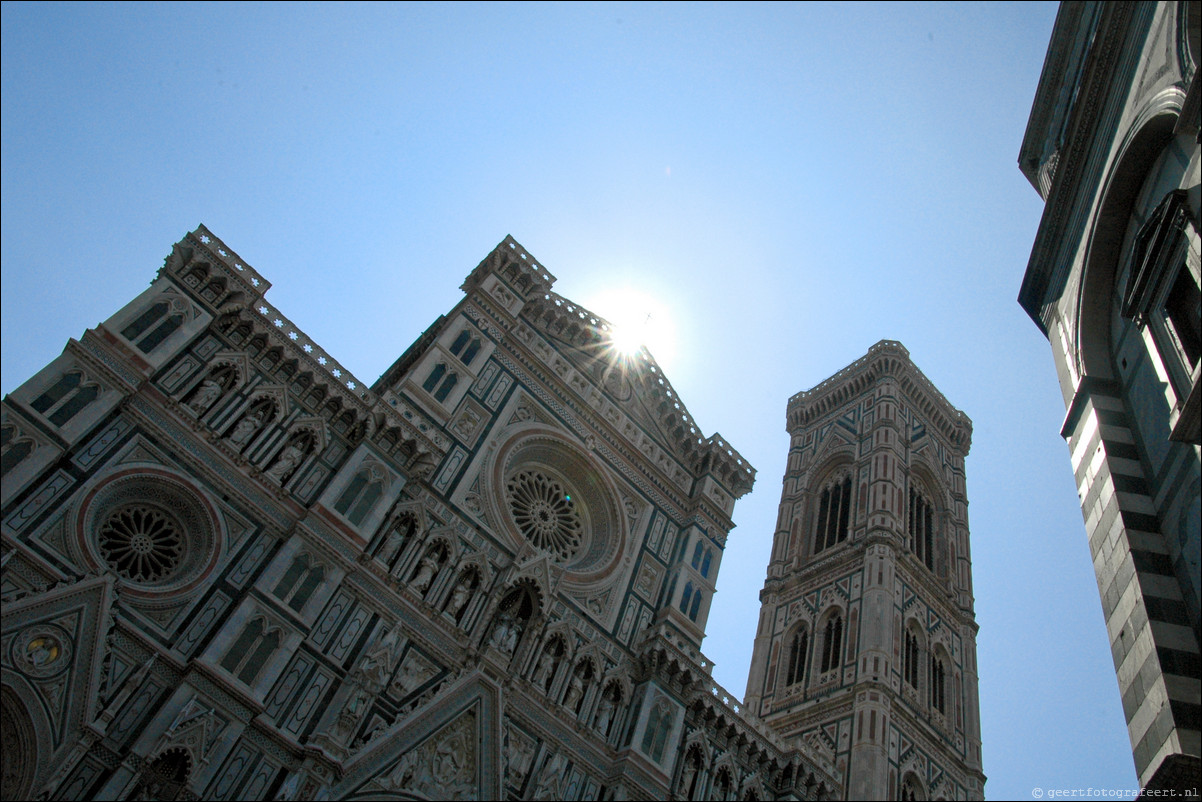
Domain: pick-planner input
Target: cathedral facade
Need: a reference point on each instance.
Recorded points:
(1113, 283)
(231, 570)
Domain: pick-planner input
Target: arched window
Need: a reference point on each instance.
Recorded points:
(686, 597)
(448, 384)
(834, 514)
(832, 642)
(360, 496)
(251, 651)
(911, 790)
(460, 341)
(695, 607)
(434, 377)
(65, 398)
(910, 659)
(921, 528)
(722, 783)
(15, 449)
(299, 582)
(145, 320)
(703, 557)
(655, 736)
(473, 348)
(165, 777)
(57, 391)
(153, 315)
(938, 684)
(799, 647)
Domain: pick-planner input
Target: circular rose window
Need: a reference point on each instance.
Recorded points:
(150, 529)
(545, 513)
(552, 496)
(141, 543)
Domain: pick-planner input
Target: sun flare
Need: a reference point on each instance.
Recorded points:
(637, 321)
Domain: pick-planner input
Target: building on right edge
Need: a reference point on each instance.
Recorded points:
(866, 645)
(1113, 283)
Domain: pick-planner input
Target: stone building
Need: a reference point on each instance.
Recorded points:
(866, 644)
(1113, 282)
(231, 570)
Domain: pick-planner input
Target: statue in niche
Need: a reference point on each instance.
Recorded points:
(210, 390)
(459, 596)
(391, 546)
(289, 459)
(545, 668)
(687, 776)
(575, 690)
(246, 428)
(425, 572)
(505, 636)
(605, 714)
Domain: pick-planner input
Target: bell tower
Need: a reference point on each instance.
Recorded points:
(866, 644)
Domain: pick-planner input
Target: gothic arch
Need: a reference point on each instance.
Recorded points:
(832, 507)
(796, 647)
(26, 737)
(829, 639)
(1149, 135)
(914, 652)
(911, 788)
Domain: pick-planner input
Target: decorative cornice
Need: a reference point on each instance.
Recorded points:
(1048, 266)
(886, 359)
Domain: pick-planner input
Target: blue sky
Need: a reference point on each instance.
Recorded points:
(786, 184)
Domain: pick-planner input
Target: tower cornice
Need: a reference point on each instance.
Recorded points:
(884, 360)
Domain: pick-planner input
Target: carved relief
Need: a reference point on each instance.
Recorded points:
(443, 767)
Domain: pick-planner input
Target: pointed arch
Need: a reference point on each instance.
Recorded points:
(830, 641)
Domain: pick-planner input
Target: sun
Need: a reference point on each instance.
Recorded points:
(637, 321)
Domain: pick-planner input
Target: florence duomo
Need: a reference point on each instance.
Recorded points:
(231, 568)
(233, 572)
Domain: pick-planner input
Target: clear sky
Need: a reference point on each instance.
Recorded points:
(783, 184)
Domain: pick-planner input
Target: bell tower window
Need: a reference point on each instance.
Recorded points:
(921, 528)
(834, 514)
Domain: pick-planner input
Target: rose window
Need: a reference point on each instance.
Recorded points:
(141, 543)
(545, 513)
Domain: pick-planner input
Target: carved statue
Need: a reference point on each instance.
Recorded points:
(575, 690)
(686, 778)
(425, 573)
(605, 714)
(546, 665)
(246, 428)
(505, 636)
(459, 596)
(289, 459)
(209, 391)
(391, 546)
